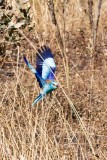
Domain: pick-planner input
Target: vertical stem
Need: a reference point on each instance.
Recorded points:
(95, 28)
(64, 44)
(90, 11)
(54, 21)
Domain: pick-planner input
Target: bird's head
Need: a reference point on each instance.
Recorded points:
(54, 84)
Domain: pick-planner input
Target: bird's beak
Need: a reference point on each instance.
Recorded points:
(56, 83)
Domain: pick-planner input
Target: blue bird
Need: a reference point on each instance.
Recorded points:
(44, 72)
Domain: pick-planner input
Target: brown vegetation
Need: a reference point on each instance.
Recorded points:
(72, 124)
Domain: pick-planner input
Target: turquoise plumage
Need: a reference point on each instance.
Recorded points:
(44, 72)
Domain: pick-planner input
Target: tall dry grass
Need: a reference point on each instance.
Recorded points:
(72, 123)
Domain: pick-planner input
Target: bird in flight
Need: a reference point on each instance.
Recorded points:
(44, 72)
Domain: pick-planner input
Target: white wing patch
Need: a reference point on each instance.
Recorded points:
(49, 62)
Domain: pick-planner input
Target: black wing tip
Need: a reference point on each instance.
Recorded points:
(44, 52)
(39, 51)
(46, 48)
(43, 48)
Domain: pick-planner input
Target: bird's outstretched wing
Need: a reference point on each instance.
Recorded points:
(42, 81)
(45, 64)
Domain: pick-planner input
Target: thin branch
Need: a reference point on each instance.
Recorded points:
(54, 21)
(95, 28)
(90, 12)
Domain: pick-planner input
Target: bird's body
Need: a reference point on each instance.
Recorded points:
(48, 88)
(44, 72)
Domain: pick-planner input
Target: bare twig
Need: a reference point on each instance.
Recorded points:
(54, 21)
(95, 28)
(90, 11)
(94, 23)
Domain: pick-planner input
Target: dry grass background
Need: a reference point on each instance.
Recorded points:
(51, 130)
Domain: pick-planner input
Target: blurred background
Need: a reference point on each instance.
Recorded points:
(72, 124)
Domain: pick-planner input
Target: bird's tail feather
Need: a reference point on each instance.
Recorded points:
(37, 99)
(42, 81)
(29, 65)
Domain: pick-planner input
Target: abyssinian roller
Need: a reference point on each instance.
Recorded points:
(44, 72)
